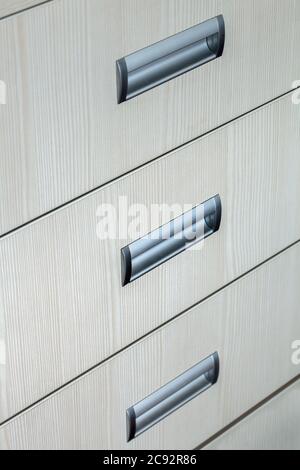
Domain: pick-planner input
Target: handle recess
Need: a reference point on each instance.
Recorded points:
(169, 58)
(173, 238)
(172, 396)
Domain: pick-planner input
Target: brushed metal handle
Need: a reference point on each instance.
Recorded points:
(173, 238)
(166, 400)
(169, 58)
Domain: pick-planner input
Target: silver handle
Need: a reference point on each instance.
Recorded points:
(167, 59)
(159, 246)
(172, 396)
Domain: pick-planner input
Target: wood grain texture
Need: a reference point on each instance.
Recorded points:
(62, 132)
(251, 324)
(9, 7)
(62, 307)
(275, 426)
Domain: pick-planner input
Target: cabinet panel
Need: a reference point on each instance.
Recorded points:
(251, 324)
(275, 426)
(62, 304)
(63, 132)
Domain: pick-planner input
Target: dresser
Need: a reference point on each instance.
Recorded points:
(149, 224)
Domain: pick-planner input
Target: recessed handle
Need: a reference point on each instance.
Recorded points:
(172, 396)
(169, 58)
(173, 238)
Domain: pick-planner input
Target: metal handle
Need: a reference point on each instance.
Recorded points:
(167, 59)
(172, 396)
(159, 246)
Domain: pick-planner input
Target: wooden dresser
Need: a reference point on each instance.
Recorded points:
(149, 224)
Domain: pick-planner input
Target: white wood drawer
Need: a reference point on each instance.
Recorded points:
(8, 7)
(275, 426)
(251, 324)
(62, 131)
(62, 305)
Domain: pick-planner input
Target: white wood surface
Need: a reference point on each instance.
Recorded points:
(252, 324)
(62, 132)
(275, 426)
(8, 7)
(62, 307)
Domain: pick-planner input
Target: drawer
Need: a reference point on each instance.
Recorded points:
(275, 426)
(61, 293)
(8, 7)
(244, 324)
(63, 132)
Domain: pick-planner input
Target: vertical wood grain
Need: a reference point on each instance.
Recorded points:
(9, 7)
(62, 305)
(251, 324)
(62, 132)
(275, 426)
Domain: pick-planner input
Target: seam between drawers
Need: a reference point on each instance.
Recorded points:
(144, 165)
(17, 12)
(142, 338)
(248, 413)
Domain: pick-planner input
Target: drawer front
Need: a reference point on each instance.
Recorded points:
(242, 323)
(8, 7)
(62, 299)
(62, 131)
(275, 426)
